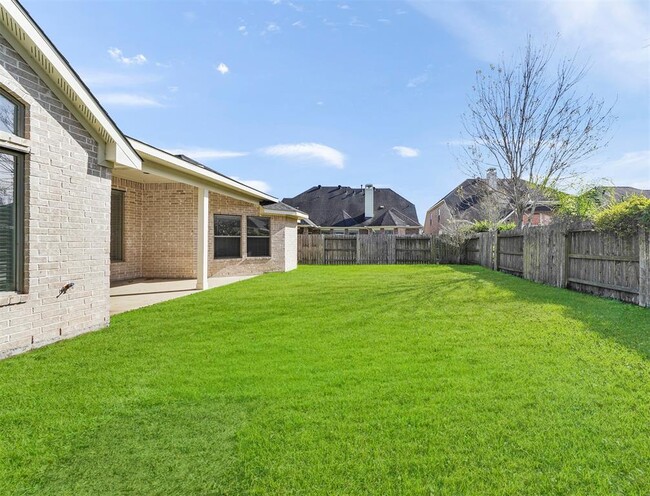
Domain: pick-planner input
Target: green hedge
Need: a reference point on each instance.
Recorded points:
(625, 217)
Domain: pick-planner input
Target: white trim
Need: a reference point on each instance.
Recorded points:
(42, 52)
(283, 213)
(13, 142)
(167, 165)
(202, 239)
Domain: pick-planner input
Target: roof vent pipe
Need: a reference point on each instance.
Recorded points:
(369, 194)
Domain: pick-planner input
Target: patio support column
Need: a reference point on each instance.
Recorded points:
(202, 239)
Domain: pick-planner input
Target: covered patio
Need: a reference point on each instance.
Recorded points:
(138, 293)
(166, 239)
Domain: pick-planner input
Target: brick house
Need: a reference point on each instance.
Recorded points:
(466, 203)
(345, 210)
(82, 206)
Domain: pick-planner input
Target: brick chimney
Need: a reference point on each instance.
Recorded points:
(369, 194)
(491, 177)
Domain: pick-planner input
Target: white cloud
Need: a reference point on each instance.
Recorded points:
(207, 153)
(406, 152)
(114, 79)
(255, 183)
(271, 27)
(418, 80)
(243, 30)
(631, 169)
(299, 24)
(612, 35)
(344, 6)
(355, 22)
(384, 21)
(223, 69)
(308, 151)
(128, 100)
(117, 55)
(320, 103)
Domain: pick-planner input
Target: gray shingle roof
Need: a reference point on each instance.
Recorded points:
(282, 207)
(342, 206)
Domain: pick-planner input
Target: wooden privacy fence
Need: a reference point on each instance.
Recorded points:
(580, 259)
(333, 249)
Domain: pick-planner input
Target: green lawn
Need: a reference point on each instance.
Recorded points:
(340, 380)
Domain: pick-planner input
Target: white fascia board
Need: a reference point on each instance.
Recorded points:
(34, 41)
(179, 170)
(279, 213)
(436, 205)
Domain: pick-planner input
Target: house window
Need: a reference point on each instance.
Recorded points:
(12, 197)
(12, 115)
(227, 236)
(258, 237)
(117, 225)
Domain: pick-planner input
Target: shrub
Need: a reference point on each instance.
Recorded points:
(486, 225)
(625, 217)
(583, 206)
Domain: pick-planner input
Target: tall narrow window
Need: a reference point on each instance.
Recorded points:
(227, 236)
(12, 116)
(11, 219)
(117, 225)
(258, 236)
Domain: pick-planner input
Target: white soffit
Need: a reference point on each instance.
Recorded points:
(180, 170)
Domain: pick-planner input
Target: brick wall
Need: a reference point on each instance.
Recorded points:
(160, 240)
(169, 235)
(131, 266)
(67, 215)
(431, 223)
(281, 228)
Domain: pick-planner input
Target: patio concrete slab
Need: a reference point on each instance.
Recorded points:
(138, 293)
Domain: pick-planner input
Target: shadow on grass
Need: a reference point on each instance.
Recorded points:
(625, 323)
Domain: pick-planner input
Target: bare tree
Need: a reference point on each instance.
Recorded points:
(527, 120)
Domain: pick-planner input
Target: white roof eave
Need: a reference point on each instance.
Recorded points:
(58, 71)
(175, 166)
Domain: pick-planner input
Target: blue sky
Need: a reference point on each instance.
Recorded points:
(287, 95)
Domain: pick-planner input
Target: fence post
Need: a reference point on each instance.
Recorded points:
(644, 268)
(496, 251)
(565, 260)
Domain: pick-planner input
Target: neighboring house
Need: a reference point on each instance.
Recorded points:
(345, 210)
(467, 202)
(622, 192)
(83, 205)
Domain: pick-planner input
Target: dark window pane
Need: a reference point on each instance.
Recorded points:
(227, 225)
(227, 239)
(9, 112)
(8, 222)
(227, 247)
(258, 226)
(258, 247)
(258, 241)
(117, 225)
